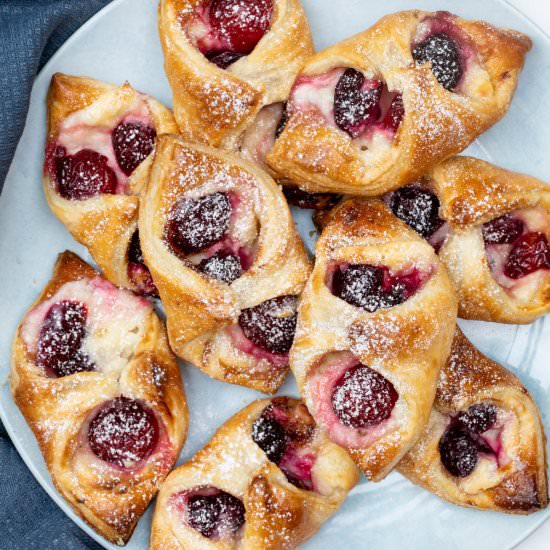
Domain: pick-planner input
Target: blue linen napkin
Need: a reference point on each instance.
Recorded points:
(30, 32)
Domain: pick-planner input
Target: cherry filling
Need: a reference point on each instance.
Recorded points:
(356, 105)
(231, 29)
(530, 253)
(196, 224)
(283, 432)
(316, 201)
(359, 105)
(526, 251)
(59, 343)
(138, 272)
(443, 53)
(363, 398)
(83, 175)
(223, 59)
(271, 325)
(270, 436)
(395, 114)
(463, 441)
(242, 23)
(372, 288)
(210, 511)
(133, 142)
(203, 228)
(123, 433)
(418, 208)
(504, 230)
(224, 266)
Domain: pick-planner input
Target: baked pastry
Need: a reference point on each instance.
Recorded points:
(377, 110)
(227, 261)
(94, 377)
(98, 155)
(268, 479)
(491, 228)
(375, 326)
(256, 142)
(227, 60)
(484, 445)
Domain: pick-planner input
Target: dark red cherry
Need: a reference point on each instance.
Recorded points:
(418, 208)
(458, 451)
(58, 350)
(123, 432)
(83, 175)
(215, 514)
(503, 230)
(133, 142)
(223, 59)
(316, 201)
(135, 255)
(372, 288)
(138, 272)
(196, 224)
(395, 113)
(443, 53)
(362, 397)
(203, 512)
(270, 436)
(241, 23)
(271, 325)
(359, 285)
(530, 253)
(224, 266)
(354, 106)
(478, 418)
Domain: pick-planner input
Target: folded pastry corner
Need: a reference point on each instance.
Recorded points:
(375, 326)
(484, 445)
(94, 377)
(268, 479)
(379, 109)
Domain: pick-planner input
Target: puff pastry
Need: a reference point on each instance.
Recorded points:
(268, 479)
(96, 381)
(98, 155)
(256, 142)
(377, 110)
(227, 261)
(226, 60)
(484, 445)
(375, 326)
(491, 228)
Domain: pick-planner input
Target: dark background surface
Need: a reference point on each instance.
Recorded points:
(30, 32)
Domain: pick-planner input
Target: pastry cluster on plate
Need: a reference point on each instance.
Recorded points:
(193, 208)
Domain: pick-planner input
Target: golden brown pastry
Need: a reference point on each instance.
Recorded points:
(377, 110)
(484, 445)
(95, 379)
(98, 155)
(375, 326)
(226, 60)
(227, 261)
(267, 480)
(491, 228)
(256, 142)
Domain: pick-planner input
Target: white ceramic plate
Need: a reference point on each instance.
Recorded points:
(121, 43)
